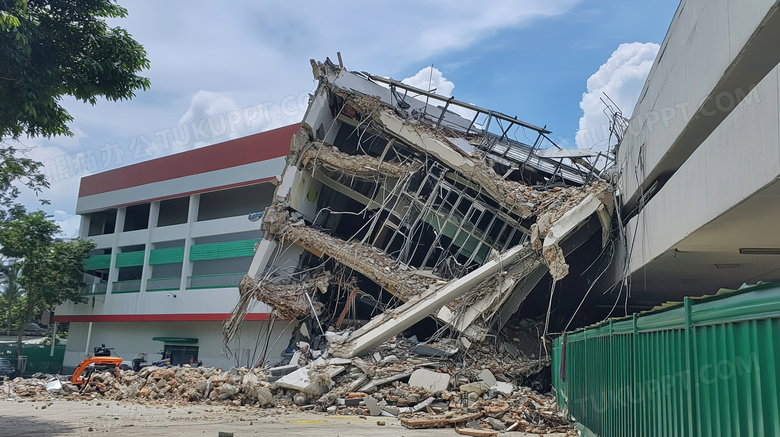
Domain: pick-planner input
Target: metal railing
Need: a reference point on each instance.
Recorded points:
(163, 284)
(132, 286)
(222, 280)
(95, 288)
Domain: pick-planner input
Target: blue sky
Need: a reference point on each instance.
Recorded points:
(533, 59)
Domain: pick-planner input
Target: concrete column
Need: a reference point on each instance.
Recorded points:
(264, 251)
(192, 217)
(113, 273)
(146, 273)
(84, 227)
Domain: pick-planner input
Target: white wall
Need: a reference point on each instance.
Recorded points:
(130, 338)
(741, 157)
(705, 38)
(199, 301)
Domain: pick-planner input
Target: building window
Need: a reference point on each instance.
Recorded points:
(173, 211)
(137, 217)
(165, 260)
(102, 222)
(235, 202)
(130, 264)
(96, 269)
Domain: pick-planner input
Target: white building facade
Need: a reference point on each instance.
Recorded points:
(173, 239)
(699, 167)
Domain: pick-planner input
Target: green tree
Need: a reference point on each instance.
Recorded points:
(50, 49)
(53, 48)
(11, 290)
(52, 272)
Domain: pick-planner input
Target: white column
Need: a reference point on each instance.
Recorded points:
(146, 273)
(84, 227)
(192, 217)
(113, 273)
(89, 337)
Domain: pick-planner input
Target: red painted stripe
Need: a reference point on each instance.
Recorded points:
(209, 317)
(241, 151)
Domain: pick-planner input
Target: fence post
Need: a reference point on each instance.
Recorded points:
(689, 364)
(634, 376)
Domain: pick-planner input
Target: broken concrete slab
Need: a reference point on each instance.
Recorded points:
(300, 380)
(476, 432)
(478, 387)
(429, 351)
(373, 406)
(390, 410)
(439, 422)
(382, 381)
(487, 376)
(505, 388)
(431, 381)
(391, 322)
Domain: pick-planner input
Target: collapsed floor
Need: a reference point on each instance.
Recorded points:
(402, 214)
(423, 215)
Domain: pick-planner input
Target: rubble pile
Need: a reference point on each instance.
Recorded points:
(30, 388)
(424, 385)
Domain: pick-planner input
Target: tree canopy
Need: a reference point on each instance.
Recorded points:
(53, 48)
(51, 271)
(11, 292)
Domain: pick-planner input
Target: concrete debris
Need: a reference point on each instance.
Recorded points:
(288, 298)
(476, 432)
(390, 274)
(429, 380)
(487, 377)
(319, 154)
(422, 391)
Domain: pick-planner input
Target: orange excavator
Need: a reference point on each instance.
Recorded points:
(100, 361)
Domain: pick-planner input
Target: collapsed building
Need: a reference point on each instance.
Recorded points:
(401, 208)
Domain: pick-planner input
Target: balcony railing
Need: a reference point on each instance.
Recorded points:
(132, 286)
(223, 280)
(163, 284)
(96, 288)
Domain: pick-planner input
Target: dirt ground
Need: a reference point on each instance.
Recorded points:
(93, 418)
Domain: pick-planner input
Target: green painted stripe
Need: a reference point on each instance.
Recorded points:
(96, 262)
(129, 259)
(224, 250)
(166, 256)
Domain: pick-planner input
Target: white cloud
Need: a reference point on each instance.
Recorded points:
(621, 78)
(206, 104)
(69, 223)
(431, 79)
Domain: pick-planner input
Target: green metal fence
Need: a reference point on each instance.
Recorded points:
(38, 357)
(705, 367)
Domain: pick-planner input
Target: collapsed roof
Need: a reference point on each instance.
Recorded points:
(409, 204)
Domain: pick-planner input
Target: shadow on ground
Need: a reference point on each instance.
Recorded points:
(23, 426)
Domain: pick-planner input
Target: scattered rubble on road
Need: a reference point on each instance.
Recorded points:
(479, 389)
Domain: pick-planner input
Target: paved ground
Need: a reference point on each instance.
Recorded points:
(95, 418)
